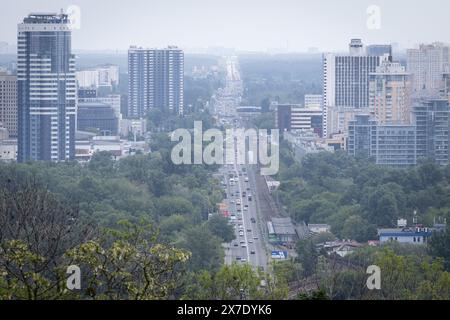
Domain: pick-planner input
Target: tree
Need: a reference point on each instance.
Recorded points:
(129, 264)
(356, 228)
(102, 163)
(207, 251)
(36, 230)
(220, 227)
(307, 256)
(439, 246)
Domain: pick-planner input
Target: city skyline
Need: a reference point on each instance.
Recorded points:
(251, 25)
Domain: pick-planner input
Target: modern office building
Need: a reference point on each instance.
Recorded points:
(97, 116)
(432, 119)
(346, 79)
(91, 96)
(155, 80)
(46, 88)
(390, 93)
(427, 64)
(296, 117)
(390, 144)
(8, 103)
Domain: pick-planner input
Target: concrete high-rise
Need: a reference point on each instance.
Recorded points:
(432, 119)
(346, 79)
(8, 103)
(427, 64)
(155, 80)
(390, 93)
(46, 88)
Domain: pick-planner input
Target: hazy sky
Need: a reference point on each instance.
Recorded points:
(243, 24)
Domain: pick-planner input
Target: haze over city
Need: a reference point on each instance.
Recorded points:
(256, 25)
(202, 153)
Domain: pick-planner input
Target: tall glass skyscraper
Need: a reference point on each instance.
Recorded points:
(46, 88)
(155, 80)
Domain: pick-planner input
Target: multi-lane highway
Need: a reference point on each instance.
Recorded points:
(239, 184)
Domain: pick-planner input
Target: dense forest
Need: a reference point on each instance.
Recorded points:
(356, 197)
(138, 228)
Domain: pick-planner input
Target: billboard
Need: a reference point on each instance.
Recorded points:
(280, 255)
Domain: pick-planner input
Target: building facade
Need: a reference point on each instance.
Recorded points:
(8, 103)
(155, 80)
(390, 93)
(46, 88)
(392, 145)
(313, 100)
(296, 117)
(427, 64)
(101, 76)
(346, 79)
(432, 119)
(97, 116)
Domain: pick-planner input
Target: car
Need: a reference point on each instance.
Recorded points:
(255, 238)
(243, 246)
(249, 230)
(241, 234)
(253, 220)
(243, 260)
(250, 241)
(245, 208)
(242, 241)
(248, 189)
(232, 201)
(238, 258)
(236, 245)
(252, 252)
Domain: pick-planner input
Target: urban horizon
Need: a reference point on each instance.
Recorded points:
(201, 180)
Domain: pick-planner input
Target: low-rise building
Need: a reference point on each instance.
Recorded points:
(136, 127)
(97, 116)
(414, 235)
(296, 117)
(341, 248)
(8, 150)
(85, 149)
(319, 228)
(282, 231)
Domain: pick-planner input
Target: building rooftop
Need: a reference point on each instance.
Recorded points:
(45, 17)
(283, 226)
(404, 232)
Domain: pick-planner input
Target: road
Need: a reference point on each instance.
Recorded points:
(249, 246)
